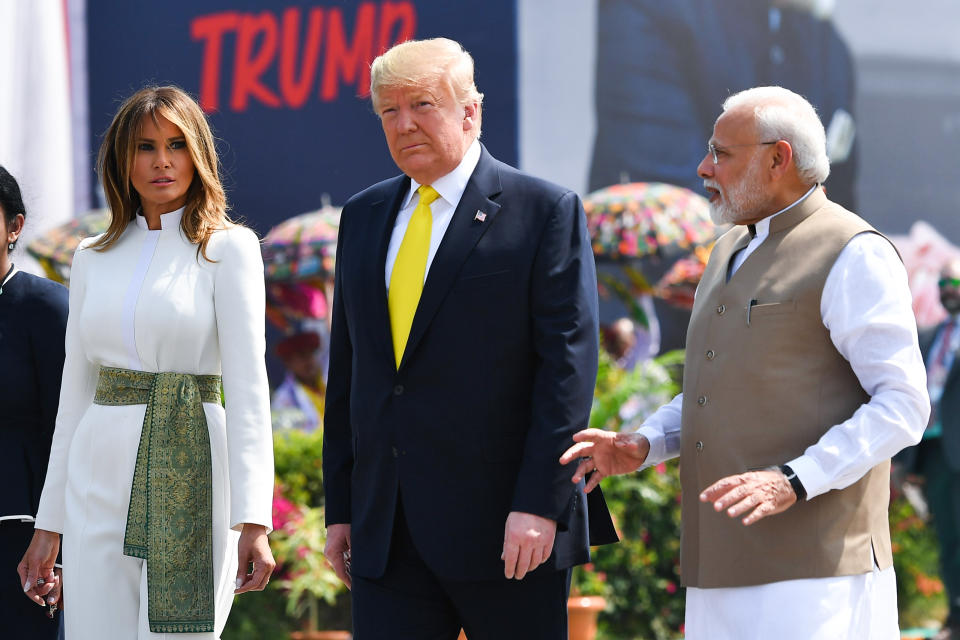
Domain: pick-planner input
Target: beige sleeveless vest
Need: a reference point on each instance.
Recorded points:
(757, 391)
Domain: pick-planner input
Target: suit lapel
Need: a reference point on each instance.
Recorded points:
(383, 218)
(461, 237)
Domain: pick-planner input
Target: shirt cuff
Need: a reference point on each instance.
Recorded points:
(811, 476)
(658, 446)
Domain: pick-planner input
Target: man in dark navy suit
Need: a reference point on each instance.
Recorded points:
(463, 358)
(937, 457)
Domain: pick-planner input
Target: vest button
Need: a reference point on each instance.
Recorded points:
(710, 354)
(699, 445)
(398, 390)
(702, 400)
(721, 309)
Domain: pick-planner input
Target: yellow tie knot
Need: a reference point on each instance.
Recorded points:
(427, 194)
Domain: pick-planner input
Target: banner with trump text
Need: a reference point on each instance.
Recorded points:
(286, 84)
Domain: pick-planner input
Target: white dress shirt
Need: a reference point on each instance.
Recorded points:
(451, 188)
(866, 308)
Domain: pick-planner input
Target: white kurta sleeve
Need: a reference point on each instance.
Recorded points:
(866, 308)
(79, 383)
(240, 301)
(662, 430)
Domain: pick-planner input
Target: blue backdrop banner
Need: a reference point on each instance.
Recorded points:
(286, 84)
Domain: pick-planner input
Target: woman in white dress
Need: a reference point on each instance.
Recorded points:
(156, 489)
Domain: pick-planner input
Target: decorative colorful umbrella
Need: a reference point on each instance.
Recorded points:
(298, 262)
(629, 222)
(302, 247)
(54, 249)
(642, 218)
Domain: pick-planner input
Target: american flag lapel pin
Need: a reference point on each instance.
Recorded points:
(480, 216)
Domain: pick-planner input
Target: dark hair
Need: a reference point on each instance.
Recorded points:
(10, 199)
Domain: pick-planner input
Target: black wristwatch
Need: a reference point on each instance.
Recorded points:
(794, 482)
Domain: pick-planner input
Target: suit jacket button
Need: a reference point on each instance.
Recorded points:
(699, 445)
(710, 354)
(395, 452)
(702, 400)
(721, 309)
(398, 390)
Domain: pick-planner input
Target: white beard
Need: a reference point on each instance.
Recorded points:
(739, 201)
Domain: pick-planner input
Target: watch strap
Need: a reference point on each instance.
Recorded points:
(794, 482)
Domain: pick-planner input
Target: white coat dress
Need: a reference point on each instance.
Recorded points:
(150, 303)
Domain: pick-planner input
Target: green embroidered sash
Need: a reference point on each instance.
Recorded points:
(170, 520)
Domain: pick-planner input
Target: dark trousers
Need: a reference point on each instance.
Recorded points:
(942, 489)
(409, 602)
(19, 617)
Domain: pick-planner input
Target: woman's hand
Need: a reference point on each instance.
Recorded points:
(254, 549)
(55, 597)
(37, 564)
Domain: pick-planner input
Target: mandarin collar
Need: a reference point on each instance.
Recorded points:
(762, 227)
(168, 221)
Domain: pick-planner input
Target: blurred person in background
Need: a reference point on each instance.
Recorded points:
(937, 458)
(33, 319)
(163, 496)
(662, 67)
(628, 342)
(303, 387)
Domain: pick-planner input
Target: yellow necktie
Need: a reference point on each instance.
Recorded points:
(406, 280)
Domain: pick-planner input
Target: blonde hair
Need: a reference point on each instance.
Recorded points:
(206, 206)
(420, 63)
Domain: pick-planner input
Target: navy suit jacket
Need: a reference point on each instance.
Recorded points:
(33, 320)
(497, 375)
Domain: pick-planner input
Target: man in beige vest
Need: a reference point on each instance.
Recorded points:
(802, 379)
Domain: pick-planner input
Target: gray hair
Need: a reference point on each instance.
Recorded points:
(781, 114)
(418, 63)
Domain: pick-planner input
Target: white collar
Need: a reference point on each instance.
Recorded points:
(451, 186)
(169, 220)
(763, 226)
(13, 272)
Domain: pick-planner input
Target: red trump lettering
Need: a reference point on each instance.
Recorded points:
(291, 44)
(295, 87)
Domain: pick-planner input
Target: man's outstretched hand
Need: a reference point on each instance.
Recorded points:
(606, 453)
